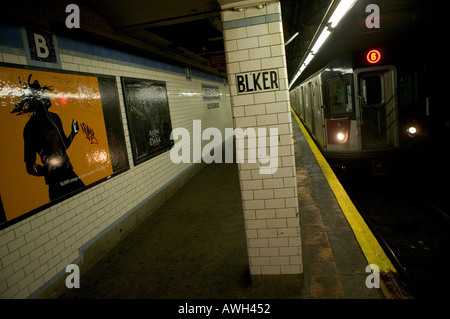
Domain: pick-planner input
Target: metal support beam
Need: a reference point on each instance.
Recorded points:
(167, 22)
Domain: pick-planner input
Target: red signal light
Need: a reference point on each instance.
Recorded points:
(373, 56)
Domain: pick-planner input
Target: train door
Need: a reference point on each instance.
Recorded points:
(377, 107)
(302, 104)
(309, 120)
(317, 112)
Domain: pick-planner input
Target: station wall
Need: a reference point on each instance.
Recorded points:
(35, 250)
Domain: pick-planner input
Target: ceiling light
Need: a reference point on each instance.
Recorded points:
(308, 59)
(340, 11)
(322, 38)
(291, 38)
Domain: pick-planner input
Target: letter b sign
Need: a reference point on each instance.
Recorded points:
(41, 46)
(42, 50)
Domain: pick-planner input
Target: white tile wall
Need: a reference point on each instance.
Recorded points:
(270, 201)
(37, 249)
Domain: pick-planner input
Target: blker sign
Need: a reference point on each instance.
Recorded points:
(256, 82)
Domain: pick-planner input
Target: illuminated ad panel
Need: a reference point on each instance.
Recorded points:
(148, 115)
(211, 96)
(59, 134)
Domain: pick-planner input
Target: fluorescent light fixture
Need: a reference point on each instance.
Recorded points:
(296, 76)
(308, 58)
(320, 40)
(340, 11)
(292, 38)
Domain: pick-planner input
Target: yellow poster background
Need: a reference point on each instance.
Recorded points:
(73, 97)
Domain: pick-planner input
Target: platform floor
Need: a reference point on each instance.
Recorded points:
(194, 246)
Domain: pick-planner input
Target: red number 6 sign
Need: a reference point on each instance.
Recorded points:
(373, 56)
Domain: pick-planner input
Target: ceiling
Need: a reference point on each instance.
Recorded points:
(190, 28)
(189, 32)
(412, 22)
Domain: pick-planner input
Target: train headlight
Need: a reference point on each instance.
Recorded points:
(412, 130)
(337, 131)
(341, 132)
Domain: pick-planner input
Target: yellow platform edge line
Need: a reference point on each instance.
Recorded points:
(367, 241)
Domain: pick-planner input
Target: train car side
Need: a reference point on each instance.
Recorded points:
(351, 110)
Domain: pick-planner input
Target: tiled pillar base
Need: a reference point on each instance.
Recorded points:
(256, 67)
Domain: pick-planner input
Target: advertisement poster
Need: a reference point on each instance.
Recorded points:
(148, 116)
(59, 134)
(211, 95)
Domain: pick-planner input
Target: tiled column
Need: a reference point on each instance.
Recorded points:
(254, 47)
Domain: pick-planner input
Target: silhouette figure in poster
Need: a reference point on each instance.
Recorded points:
(44, 135)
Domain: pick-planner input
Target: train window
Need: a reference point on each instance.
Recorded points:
(371, 90)
(339, 92)
(408, 89)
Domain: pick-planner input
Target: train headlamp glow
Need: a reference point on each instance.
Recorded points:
(340, 137)
(411, 130)
(337, 131)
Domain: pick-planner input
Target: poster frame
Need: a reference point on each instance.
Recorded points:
(7, 223)
(136, 158)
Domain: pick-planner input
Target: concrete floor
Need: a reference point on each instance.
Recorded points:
(334, 263)
(194, 246)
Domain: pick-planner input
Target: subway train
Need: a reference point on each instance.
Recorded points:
(366, 108)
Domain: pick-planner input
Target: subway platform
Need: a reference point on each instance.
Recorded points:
(194, 246)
